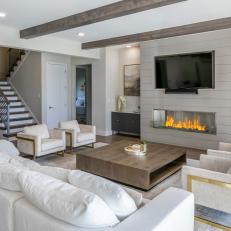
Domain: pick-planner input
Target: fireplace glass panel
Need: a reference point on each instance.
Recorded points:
(202, 122)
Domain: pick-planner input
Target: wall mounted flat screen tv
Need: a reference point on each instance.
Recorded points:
(186, 71)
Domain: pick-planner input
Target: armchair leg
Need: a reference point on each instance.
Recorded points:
(69, 150)
(60, 153)
(93, 145)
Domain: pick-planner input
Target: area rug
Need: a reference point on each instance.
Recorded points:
(69, 160)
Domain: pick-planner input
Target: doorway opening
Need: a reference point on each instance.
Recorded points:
(83, 100)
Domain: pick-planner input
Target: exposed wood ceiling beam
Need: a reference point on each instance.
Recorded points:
(110, 11)
(212, 25)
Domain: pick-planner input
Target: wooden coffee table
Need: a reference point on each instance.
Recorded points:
(160, 162)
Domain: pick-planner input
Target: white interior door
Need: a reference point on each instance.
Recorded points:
(56, 78)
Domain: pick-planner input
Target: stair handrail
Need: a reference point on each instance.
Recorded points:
(5, 111)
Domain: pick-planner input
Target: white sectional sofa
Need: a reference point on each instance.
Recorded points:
(173, 210)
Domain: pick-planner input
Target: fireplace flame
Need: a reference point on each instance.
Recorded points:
(193, 124)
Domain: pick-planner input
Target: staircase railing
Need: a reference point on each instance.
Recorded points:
(5, 111)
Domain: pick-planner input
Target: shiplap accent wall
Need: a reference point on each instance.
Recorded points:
(210, 100)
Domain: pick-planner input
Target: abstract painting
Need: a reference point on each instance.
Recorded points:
(132, 80)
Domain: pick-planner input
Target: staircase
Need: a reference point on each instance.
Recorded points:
(14, 114)
(16, 58)
(19, 116)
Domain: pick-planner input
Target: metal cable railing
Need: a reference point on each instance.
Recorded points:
(5, 111)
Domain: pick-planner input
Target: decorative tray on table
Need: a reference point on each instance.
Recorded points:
(134, 150)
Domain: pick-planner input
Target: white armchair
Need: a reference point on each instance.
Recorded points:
(78, 134)
(211, 183)
(224, 151)
(39, 141)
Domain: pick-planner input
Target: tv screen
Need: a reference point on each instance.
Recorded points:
(185, 71)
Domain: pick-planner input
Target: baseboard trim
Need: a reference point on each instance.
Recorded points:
(104, 133)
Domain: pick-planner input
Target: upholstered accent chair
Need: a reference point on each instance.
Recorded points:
(78, 134)
(38, 141)
(211, 182)
(223, 151)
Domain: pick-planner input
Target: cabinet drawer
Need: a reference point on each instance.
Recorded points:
(126, 122)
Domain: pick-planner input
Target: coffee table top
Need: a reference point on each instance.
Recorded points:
(158, 155)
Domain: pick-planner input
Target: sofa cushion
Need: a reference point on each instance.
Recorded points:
(136, 196)
(40, 130)
(229, 171)
(9, 177)
(58, 173)
(23, 162)
(66, 202)
(9, 148)
(71, 125)
(113, 194)
(48, 144)
(81, 137)
(4, 158)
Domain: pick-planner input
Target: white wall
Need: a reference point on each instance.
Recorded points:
(27, 81)
(10, 38)
(210, 100)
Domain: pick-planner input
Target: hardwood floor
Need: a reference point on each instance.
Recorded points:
(191, 153)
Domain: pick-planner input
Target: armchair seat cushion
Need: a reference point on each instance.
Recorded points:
(85, 136)
(48, 144)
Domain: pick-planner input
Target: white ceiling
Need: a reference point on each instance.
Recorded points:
(25, 13)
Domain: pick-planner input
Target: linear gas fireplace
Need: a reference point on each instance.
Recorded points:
(202, 122)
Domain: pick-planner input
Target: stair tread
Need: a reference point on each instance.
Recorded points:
(11, 95)
(21, 119)
(19, 112)
(14, 100)
(7, 90)
(19, 126)
(17, 106)
(10, 135)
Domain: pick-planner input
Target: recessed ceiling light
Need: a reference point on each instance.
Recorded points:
(2, 15)
(81, 34)
(128, 46)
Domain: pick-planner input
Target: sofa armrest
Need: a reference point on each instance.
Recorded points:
(172, 208)
(225, 146)
(28, 143)
(87, 128)
(214, 163)
(211, 189)
(219, 153)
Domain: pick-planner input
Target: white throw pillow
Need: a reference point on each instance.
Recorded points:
(72, 125)
(40, 130)
(23, 162)
(136, 196)
(9, 177)
(9, 148)
(4, 158)
(66, 202)
(113, 194)
(58, 173)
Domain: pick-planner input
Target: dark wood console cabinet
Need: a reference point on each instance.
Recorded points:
(123, 122)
